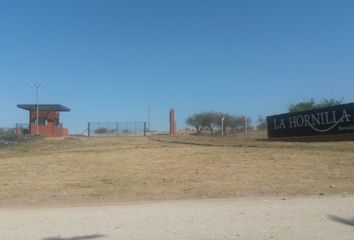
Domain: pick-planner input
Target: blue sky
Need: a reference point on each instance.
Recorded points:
(109, 60)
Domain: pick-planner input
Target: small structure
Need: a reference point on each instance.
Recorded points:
(48, 120)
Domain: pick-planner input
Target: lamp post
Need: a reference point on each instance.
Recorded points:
(37, 87)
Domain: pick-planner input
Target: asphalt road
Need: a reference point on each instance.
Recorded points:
(322, 217)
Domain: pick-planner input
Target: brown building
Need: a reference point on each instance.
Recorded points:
(49, 124)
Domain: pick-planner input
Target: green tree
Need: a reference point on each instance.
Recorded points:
(218, 119)
(212, 120)
(204, 120)
(311, 104)
(209, 120)
(237, 123)
(329, 102)
(195, 121)
(302, 106)
(261, 123)
(101, 130)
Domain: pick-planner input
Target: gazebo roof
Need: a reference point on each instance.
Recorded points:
(44, 107)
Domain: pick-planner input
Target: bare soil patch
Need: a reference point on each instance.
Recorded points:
(88, 170)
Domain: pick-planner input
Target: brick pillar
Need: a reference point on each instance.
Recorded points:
(19, 131)
(172, 122)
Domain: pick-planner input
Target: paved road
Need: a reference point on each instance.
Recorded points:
(297, 218)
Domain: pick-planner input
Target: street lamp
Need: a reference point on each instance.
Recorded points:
(37, 87)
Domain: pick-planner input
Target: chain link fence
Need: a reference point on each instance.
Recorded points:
(116, 129)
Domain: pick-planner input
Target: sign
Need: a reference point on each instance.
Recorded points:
(322, 121)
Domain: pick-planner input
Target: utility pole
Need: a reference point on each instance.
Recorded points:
(38, 88)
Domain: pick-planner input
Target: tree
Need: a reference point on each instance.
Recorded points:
(311, 104)
(261, 123)
(195, 122)
(218, 119)
(329, 102)
(302, 106)
(212, 121)
(236, 123)
(204, 120)
(209, 120)
(101, 130)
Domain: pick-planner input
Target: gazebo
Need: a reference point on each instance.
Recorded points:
(48, 116)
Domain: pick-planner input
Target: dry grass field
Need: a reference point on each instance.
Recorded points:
(76, 170)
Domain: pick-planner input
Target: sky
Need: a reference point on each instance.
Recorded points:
(108, 60)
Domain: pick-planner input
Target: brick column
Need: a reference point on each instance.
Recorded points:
(172, 122)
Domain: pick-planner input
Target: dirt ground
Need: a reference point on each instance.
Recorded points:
(264, 218)
(76, 170)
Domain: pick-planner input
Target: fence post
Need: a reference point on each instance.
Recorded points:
(117, 128)
(246, 128)
(88, 129)
(144, 129)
